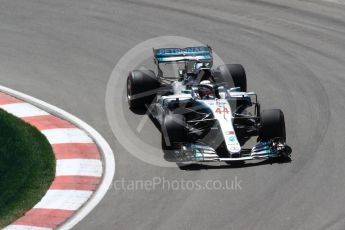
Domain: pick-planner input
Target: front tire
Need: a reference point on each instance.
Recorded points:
(272, 125)
(173, 130)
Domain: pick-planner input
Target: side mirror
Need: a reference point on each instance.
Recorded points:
(235, 89)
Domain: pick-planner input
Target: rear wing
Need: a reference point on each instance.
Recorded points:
(199, 53)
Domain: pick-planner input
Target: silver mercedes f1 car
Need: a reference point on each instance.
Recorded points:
(206, 114)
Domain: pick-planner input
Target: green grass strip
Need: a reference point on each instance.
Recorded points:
(27, 167)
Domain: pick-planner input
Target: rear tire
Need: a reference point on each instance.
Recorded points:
(142, 88)
(234, 75)
(173, 130)
(272, 125)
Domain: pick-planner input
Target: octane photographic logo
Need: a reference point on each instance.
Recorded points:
(128, 128)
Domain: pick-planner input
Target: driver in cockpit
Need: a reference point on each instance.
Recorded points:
(205, 90)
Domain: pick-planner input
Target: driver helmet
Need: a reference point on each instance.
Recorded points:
(205, 90)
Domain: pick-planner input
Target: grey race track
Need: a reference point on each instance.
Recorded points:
(63, 52)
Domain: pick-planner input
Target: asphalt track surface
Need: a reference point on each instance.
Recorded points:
(64, 51)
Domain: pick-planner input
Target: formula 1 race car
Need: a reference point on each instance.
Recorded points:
(206, 114)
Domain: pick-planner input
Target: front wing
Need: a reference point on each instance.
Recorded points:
(203, 153)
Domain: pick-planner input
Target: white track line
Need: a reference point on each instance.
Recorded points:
(64, 199)
(107, 154)
(23, 110)
(66, 135)
(79, 167)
